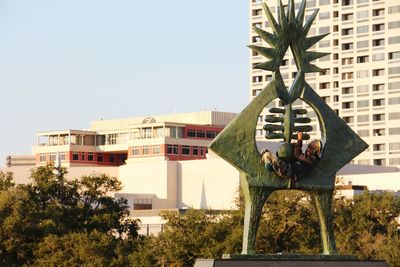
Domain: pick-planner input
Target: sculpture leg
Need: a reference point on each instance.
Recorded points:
(322, 201)
(255, 198)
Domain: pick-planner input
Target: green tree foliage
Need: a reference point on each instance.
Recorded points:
(6, 180)
(54, 207)
(365, 226)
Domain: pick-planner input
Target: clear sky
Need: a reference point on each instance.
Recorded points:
(64, 63)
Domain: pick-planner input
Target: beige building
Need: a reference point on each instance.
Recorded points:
(361, 76)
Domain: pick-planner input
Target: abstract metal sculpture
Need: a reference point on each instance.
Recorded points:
(237, 145)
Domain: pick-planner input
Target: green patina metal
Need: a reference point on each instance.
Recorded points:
(237, 145)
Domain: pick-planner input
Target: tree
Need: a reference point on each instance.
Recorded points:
(6, 180)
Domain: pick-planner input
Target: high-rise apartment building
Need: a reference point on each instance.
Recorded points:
(360, 78)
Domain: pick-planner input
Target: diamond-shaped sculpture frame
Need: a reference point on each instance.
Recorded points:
(237, 145)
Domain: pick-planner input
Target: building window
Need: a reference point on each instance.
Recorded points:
(347, 31)
(378, 132)
(42, 157)
(362, 29)
(83, 156)
(378, 72)
(394, 40)
(394, 25)
(146, 150)
(362, 73)
(347, 90)
(157, 149)
(90, 157)
(347, 61)
(75, 156)
(200, 134)
(324, 15)
(362, 14)
(362, 103)
(347, 2)
(362, 118)
(111, 158)
(347, 105)
(378, 117)
(394, 146)
(378, 57)
(191, 133)
(363, 133)
(378, 42)
(256, 12)
(347, 46)
(379, 162)
(394, 101)
(348, 16)
(257, 79)
(324, 29)
(100, 158)
(378, 147)
(349, 119)
(186, 150)
(378, 87)
(195, 150)
(394, 70)
(136, 151)
(362, 59)
(323, 2)
(324, 72)
(363, 88)
(210, 134)
(394, 131)
(378, 27)
(256, 39)
(362, 44)
(378, 12)
(347, 75)
(394, 115)
(394, 9)
(324, 85)
(394, 55)
(53, 157)
(394, 161)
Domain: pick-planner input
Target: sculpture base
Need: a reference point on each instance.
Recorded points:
(288, 260)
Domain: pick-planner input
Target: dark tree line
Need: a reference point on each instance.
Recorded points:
(58, 222)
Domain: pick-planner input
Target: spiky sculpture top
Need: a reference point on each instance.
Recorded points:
(288, 31)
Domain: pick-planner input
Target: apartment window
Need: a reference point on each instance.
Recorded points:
(347, 46)
(135, 151)
(268, 78)
(347, 61)
(378, 57)
(200, 134)
(347, 2)
(90, 157)
(362, 14)
(363, 88)
(324, 15)
(362, 118)
(347, 90)
(394, 9)
(393, 85)
(186, 150)
(394, 131)
(349, 119)
(195, 150)
(335, 42)
(379, 162)
(362, 59)
(394, 70)
(256, 39)
(362, 73)
(146, 150)
(324, 72)
(378, 147)
(378, 27)
(324, 43)
(285, 62)
(362, 29)
(170, 149)
(324, 29)
(347, 75)
(347, 105)
(378, 42)
(42, 157)
(256, 92)
(394, 55)
(394, 161)
(257, 79)
(378, 72)
(335, 14)
(324, 2)
(335, 28)
(210, 134)
(363, 133)
(157, 149)
(378, 87)
(324, 85)
(347, 31)
(335, 84)
(83, 156)
(192, 133)
(257, 25)
(362, 1)
(335, 70)
(394, 40)
(394, 24)
(256, 12)
(362, 44)
(378, 102)
(394, 115)
(362, 103)
(378, 132)
(394, 146)
(378, 117)
(348, 16)
(378, 12)
(394, 101)
(111, 158)
(75, 156)
(335, 56)
(100, 158)
(52, 157)
(363, 162)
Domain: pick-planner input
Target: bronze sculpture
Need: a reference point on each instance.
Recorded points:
(236, 143)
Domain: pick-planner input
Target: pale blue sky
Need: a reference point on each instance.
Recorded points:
(65, 63)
